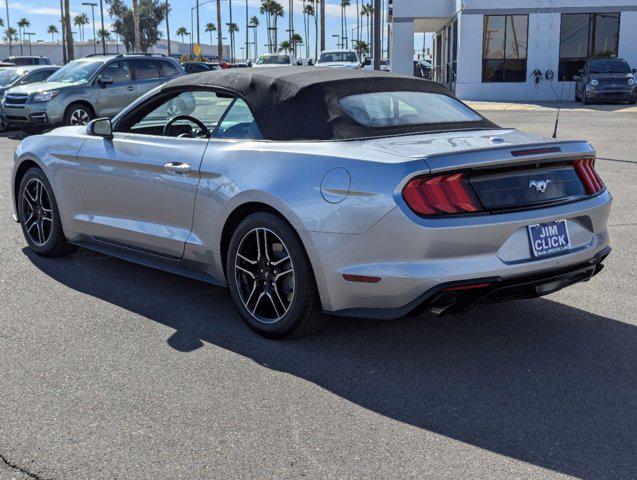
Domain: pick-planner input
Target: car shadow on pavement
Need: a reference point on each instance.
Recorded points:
(535, 380)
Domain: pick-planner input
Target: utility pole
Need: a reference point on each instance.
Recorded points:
(102, 27)
(232, 59)
(138, 40)
(198, 39)
(69, 34)
(377, 34)
(92, 5)
(219, 34)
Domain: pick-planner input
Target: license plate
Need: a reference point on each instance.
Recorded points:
(548, 238)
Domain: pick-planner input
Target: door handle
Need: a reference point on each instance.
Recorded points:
(130, 88)
(177, 167)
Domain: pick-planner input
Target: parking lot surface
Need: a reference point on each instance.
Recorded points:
(112, 370)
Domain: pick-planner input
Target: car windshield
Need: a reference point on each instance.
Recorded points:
(273, 60)
(75, 72)
(609, 66)
(349, 57)
(405, 108)
(9, 75)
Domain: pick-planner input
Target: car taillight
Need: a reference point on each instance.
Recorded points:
(446, 194)
(585, 169)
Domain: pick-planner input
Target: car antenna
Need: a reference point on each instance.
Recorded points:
(549, 75)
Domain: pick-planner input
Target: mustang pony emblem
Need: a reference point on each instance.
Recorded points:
(540, 185)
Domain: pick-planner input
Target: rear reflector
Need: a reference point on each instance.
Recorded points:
(467, 287)
(441, 195)
(361, 278)
(586, 171)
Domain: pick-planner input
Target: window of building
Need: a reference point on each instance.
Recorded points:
(504, 48)
(585, 35)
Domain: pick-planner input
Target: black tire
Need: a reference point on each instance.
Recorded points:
(55, 243)
(633, 101)
(78, 113)
(303, 314)
(32, 129)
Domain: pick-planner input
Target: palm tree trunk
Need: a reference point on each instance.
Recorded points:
(247, 51)
(256, 44)
(316, 31)
(219, 33)
(138, 42)
(69, 33)
(346, 32)
(168, 28)
(358, 23)
(276, 33)
(64, 59)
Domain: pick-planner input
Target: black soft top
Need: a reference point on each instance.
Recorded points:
(301, 103)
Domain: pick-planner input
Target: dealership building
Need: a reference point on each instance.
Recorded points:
(519, 50)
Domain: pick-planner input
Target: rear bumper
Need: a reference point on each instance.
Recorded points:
(458, 297)
(415, 258)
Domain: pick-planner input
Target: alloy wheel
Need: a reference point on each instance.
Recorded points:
(79, 116)
(37, 211)
(264, 275)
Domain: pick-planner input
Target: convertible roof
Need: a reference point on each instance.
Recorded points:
(301, 103)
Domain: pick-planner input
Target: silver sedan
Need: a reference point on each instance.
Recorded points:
(310, 191)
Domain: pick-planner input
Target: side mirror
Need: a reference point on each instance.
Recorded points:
(577, 78)
(100, 127)
(105, 80)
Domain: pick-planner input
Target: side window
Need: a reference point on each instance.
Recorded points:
(205, 106)
(168, 69)
(36, 77)
(118, 71)
(146, 69)
(239, 123)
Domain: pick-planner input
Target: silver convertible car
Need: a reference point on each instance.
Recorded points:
(309, 191)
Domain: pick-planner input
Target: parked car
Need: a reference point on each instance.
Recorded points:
(339, 59)
(368, 64)
(14, 76)
(275, 60)
(196, 67)
(311, 190)
(25, 60)
(606, 79)
(93, 86)
(422, 69)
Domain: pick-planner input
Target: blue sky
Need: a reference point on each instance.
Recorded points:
(42, 13)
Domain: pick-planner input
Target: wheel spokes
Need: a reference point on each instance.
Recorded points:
(37, 210)
(270, 275)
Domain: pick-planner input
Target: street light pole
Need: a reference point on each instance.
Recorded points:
(102, 27)
(6, 4)
(377, 34)
(92, 5)
(198, 39)
(29, 34)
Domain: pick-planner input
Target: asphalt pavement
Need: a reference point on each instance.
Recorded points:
(110, 370)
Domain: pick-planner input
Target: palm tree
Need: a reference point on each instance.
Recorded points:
(138, 40)
(70, 51)
(255, 21)
(104, 34)
(167, 12)
(219, 34)
(210, 27)
(358, 22)
(79, 21)
(11, 35)
(308, 11)
(265, 9)
(182, 32)
(296, 40)
(23, 24)
(322, 2)
(285, 46)
(361, 47)
(367, 11)
(232, 28)
(52, 29)
(277, 12)
(344, 5)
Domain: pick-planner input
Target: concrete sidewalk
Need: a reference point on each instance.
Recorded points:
(501, 106)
